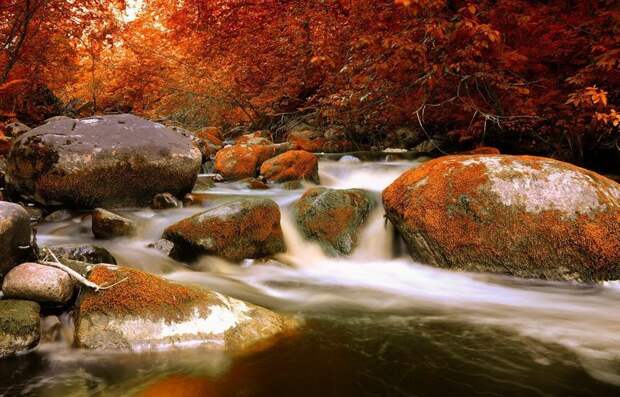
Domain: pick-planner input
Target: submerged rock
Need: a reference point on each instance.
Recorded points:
(146, 313)
(88, 253)
(106, 225)
(333, 217)
(523, 216)
(15, 236)
(293, 165)
(39, 283)
(164, 201)
(112, 161)
(20, 326)
(242, 161)
(247, 228)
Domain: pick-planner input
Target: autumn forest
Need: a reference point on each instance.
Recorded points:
(302, 198)
(525, 76)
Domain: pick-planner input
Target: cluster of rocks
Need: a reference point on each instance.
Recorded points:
(521, 216)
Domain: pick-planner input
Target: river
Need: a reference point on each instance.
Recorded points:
(376, 323)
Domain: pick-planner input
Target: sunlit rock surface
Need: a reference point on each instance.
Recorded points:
(524, 216)
(145, 313)
(111, 161)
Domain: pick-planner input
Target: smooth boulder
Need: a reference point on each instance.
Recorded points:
(246, 228)
(39, 283)
(106, 225)
(333, 217)
(20, 326)
(294, 165)
(242, 161)
(523, 216)
(16, 238)
(112, 161)
(146, 313)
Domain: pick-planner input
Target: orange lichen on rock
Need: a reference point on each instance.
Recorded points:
(242, 161)
(291, 166)
(502, 214)
(333, 217)
(483, 150)
(211, 134)
(139, 293)
(238, 230)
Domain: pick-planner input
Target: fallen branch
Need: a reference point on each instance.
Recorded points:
(77, 276)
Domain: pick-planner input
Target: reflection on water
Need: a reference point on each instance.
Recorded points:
(378, 324)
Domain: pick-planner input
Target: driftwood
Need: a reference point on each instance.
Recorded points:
(77, 276)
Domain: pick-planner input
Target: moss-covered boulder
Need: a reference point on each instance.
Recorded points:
(293, 165)
(333, 217)
(146, 313)
(112, 161)
(247, 228)
(242, 161)
(524, 216)
(15, 236)
(20, 326)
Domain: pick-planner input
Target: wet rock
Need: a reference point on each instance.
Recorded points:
(204, 183)
(333, 218)
(405, 136)
(209, 141)
(247, 228)
(293, 165)
(15, 236)
(20, 326)
(5, 144)
(59, 216)
(255, 138)
(15, 129)
(524, 216)
(255, 184)
(482, 150)
(112, 161)
(349, 159)
(164, 201)
(109, 225)
(35, 214)
(146, 313)
(310, 139)
(39, 283)
(243, 161)
(88, 253)
(51, 329)
(163, 246)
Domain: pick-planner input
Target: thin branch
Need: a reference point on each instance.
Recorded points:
(57, 264)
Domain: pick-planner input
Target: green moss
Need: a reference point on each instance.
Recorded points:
(19, 317)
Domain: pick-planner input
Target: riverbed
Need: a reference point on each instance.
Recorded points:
(375, 324)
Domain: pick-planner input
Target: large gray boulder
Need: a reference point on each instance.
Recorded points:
(246, 228)
(524, 216)
(146, 313)
(112, 161)
(20, 326)
(15, 236)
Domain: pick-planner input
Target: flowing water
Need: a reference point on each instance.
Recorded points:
(376, 323)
